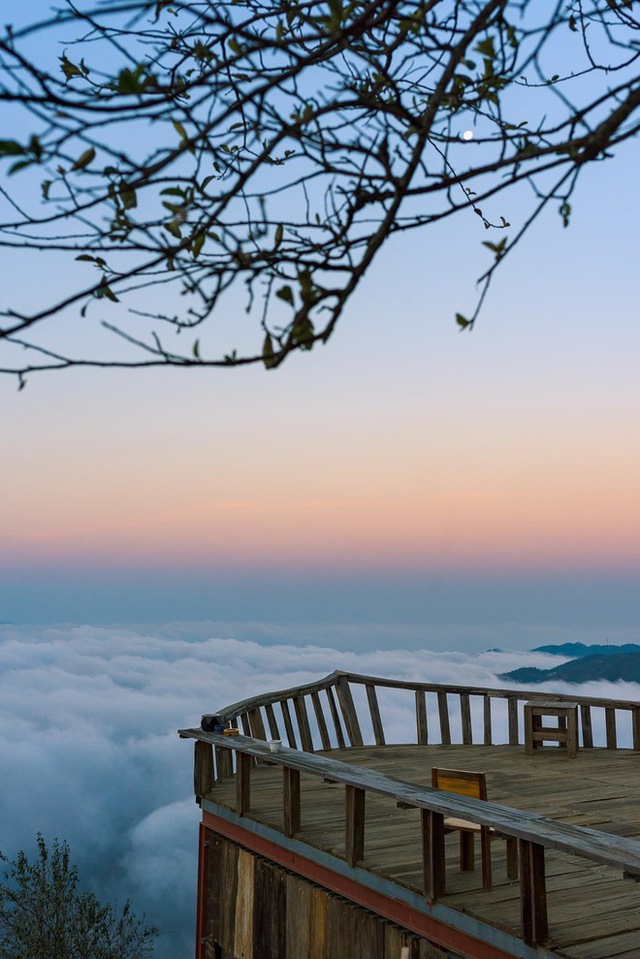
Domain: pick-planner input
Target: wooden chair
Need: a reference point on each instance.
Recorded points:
(474, 785)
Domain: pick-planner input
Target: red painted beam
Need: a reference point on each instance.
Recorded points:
(402, 914)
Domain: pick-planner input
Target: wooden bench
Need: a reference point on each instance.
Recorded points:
(565, 733)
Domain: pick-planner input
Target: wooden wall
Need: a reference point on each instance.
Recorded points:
(254, 909)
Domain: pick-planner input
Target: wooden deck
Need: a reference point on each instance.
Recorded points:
(594, 913)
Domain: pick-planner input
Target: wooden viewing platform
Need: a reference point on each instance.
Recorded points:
(342, 840)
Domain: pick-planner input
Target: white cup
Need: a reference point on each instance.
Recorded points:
(275, 745)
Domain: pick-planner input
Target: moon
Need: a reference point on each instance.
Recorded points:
(467, 135)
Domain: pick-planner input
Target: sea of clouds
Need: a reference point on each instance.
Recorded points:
(90, 753)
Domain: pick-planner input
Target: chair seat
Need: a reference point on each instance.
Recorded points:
(463, 824)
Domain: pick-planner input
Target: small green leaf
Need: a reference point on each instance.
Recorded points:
(180, 130)
(462, 321)
(128, 197)
(11, 148)
(285, 293)
(197, 244)
(486, 48)
(196, 350)
(45, 187)
(18, 165)
(70, 69)
(278, 235)
(104, 290)
(84, 159)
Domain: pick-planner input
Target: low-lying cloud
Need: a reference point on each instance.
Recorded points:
(89, 750)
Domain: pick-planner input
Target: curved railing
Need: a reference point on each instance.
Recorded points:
(348, 709)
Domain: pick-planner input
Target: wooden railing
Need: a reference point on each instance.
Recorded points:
(346, 709)
(533, 832)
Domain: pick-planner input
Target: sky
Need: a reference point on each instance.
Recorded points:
(404, 473)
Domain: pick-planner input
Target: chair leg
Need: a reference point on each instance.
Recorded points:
(512, 858)
(467, 857)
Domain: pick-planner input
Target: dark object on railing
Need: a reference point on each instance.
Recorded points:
(213, 723)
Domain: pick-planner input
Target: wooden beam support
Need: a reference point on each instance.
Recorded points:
(354, 824)
(243, 783)
(203, 772)
(291, 801)
(433, 864)
(533, 893)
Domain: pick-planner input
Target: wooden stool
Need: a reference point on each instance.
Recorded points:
(565, 733)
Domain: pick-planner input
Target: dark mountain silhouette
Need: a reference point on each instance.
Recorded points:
(581, 649)
(609, 662)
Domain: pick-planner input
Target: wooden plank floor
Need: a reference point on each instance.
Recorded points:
(593, 912)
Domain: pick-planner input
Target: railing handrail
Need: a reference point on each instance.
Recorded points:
(264, 699)
(340, 719)
(619, 852)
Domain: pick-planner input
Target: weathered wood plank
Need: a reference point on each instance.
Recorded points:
(610, 724)
(465, 716)
(335, 716)
(299, 895)
(587, 728)
(350, 716)
(318, 926)
(487, 728)
(533, 894)
(433, 858)
(512, 711)
(203, 773)
(443, 714)
(422, 727)
(274, 729)
(269, 910)
(243, 783)
(243, 942)
(224, 763)
(635, 727)
(374, 711)
(288, 725)
(303, 723)
(291, 801)
(256, 724)
(321, 721)
(354, 824)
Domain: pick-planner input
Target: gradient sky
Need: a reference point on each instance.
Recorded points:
(405, 471)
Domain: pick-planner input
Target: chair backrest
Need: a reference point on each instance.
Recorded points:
(460, 781)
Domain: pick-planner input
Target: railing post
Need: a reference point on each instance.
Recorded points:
(422, 728)
(203, 774)
(291, 801)
(533, 893)
(243, 783)
(354, 824)
(433, 866)
(635, 726)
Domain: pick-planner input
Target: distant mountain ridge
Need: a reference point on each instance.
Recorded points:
(581, 649)
(596, 662)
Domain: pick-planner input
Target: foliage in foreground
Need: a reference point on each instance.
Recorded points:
(274, 148)
(43, 915)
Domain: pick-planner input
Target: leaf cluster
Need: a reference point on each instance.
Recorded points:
(44, 915)
(193, 151)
